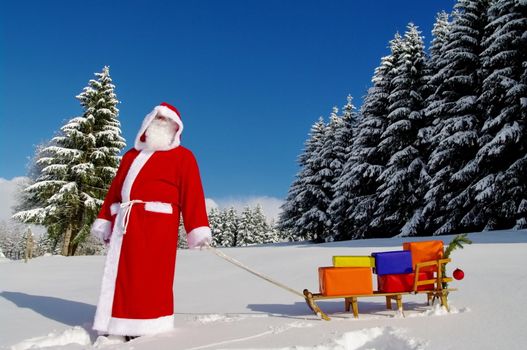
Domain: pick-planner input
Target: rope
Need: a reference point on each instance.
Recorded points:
(127, 206)
(248, 269)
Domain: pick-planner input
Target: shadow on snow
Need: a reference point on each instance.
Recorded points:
(68, 312)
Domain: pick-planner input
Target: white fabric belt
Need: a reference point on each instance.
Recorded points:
(125, 209)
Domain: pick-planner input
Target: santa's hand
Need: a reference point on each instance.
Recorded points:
(205, 245)
(102, 229)
(199, 238)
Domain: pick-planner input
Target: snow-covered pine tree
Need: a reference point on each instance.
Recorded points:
(433, 64)
(23, 199)
(43, 245)
(262, 231)
(521, 215)
(291, 210)
(274, 235)
(91, 245)
(456, 118)
(440, 37)
(215, 227)
(246, 228)
(355, 191)
(350, 119)
(230, 223)
(77, 168)
(342, 150)
(12, 240)
(398, 193)
(501, 184)
(331, 158)
(432, 106)
(182, 235)
(299, 198)
(314, 222)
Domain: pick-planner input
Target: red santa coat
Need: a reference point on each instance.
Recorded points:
(140, 217)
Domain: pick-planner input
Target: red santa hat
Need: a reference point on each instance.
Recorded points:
(166, 110)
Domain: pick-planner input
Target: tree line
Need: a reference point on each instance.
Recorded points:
(439, 145)
(231, 228)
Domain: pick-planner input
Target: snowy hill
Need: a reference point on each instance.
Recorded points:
(219, 306)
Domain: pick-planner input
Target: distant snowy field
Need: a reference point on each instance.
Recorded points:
(50, 301)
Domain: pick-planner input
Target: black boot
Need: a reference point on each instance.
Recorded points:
(127, 338)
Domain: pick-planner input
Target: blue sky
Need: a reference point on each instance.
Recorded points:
(249, 77)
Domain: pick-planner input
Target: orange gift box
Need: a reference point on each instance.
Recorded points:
(425, 251)
(345, 280)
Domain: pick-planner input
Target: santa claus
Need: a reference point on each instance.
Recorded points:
(156, 182)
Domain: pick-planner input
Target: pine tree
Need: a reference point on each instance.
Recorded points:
(216, 227)
(275, 235)
(345, 134)
(77, 168)
(225, 226)
(436, 62)
(397, 194)
(355, 191)
(285, 235)
(330, 166)
(246, 228)
(456, 118)
(501, 185)
(291, 209)
(262, 231)
(343, 140)
(230, 225)
(433, 64)
(299, 205)
(182, 242)
(432, 107)
(440, 34)
(314, 222)
(24, 200)
(44, 245)
(12, 239)
(91, 246)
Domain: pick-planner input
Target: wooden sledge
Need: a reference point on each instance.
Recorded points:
(438, 292)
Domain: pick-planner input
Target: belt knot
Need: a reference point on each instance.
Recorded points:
(127, 207)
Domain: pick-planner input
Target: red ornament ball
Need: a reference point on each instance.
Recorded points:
(458, 274)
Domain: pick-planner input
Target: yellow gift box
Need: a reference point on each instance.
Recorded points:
(353, 261)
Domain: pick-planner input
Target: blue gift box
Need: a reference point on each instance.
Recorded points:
(396, 262)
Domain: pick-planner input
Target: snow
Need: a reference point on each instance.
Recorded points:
(50, 301)
(75, 335)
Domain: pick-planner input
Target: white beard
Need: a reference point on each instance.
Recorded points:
(159, 134)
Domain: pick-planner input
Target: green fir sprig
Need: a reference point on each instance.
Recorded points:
(458, 242)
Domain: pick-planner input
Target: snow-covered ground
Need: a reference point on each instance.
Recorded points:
(50, 301)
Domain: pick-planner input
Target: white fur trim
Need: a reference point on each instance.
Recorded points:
(101, 229)
(114, 208)
(198, 236)
(159, 207)
(134, 170)
(125, 326)
(104, 322)
(165, 112)
(103, 313)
